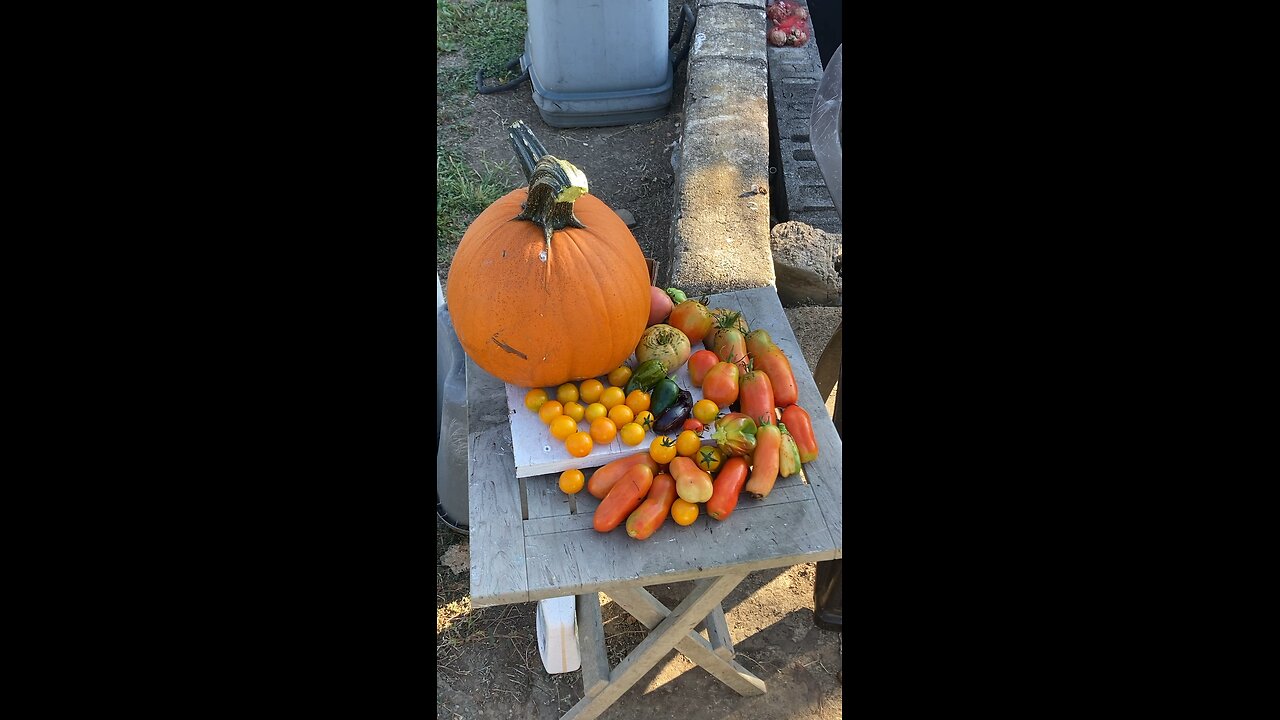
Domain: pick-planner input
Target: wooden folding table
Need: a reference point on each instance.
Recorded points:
(530, 541)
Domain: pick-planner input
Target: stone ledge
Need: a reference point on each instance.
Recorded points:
(720, 228)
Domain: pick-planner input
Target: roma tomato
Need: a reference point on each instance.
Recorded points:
(692, 483)
(699, 363)
(720, 386)
(623, 498)
(765, 459)
(603, 479)
(652, 513)
(801, 428)
(692, 318)
(769, 357)
(755, 396)
(726, 488)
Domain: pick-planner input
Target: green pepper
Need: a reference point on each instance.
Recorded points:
(664, 395)
(646, 376)
(677, 296)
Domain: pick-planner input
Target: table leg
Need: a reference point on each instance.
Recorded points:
(595, 660)
(666, 635)
(646, 608)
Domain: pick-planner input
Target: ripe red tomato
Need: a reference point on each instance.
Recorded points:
(692, 318)
(720, 386)
(699, 363)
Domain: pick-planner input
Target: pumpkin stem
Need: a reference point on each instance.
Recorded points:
(554, 184)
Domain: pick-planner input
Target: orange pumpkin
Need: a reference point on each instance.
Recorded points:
(537, 300)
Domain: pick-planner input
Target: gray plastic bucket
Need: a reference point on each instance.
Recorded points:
(594, 63)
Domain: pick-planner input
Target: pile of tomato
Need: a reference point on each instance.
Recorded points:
(591, 412)
(749, 405)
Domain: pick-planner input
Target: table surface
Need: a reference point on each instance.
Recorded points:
(529, 541)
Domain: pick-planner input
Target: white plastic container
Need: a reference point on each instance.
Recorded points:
(594, 63)
(558, 634)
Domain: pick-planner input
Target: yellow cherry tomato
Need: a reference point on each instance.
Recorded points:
(571, 481)
(603, 430)
(562, 427)
(620, 376)
(662, 450)
(631, 434)
(593, 411)
(534, 399)
(621, 415)
(550, 410)
(705, 411)
(612, 397)
(645, 419)
(579, 444)
(709, 458)
(684, 512)
(687, 443)
(566, 393)
(638, 400)
(590, 390)
(574, 410)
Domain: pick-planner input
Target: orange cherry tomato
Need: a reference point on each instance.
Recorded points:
(550, 410)
(709, 459)
(662, 450)
(619, 376)
(534, 399)
(687, 443)
(571, 481)
(590, 390)
(579, 444)
(603, 430)
(562, 427)
(684, 513)
(638, 401)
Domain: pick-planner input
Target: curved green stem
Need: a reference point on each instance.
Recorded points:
(554, 184)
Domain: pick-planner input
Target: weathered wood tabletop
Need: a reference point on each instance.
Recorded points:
(529, 541)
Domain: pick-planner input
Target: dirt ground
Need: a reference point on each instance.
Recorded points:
(487, 659)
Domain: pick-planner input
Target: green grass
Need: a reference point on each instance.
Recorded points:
(471, 35)
(488, 33)
(462, 194)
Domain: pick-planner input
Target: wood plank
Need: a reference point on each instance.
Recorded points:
(537, 453)
(595, 658)
(825, 473)
(650, 650)
(718, 633)
(499, 573)
(545, 497)
(752, 538)
(650, 612)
